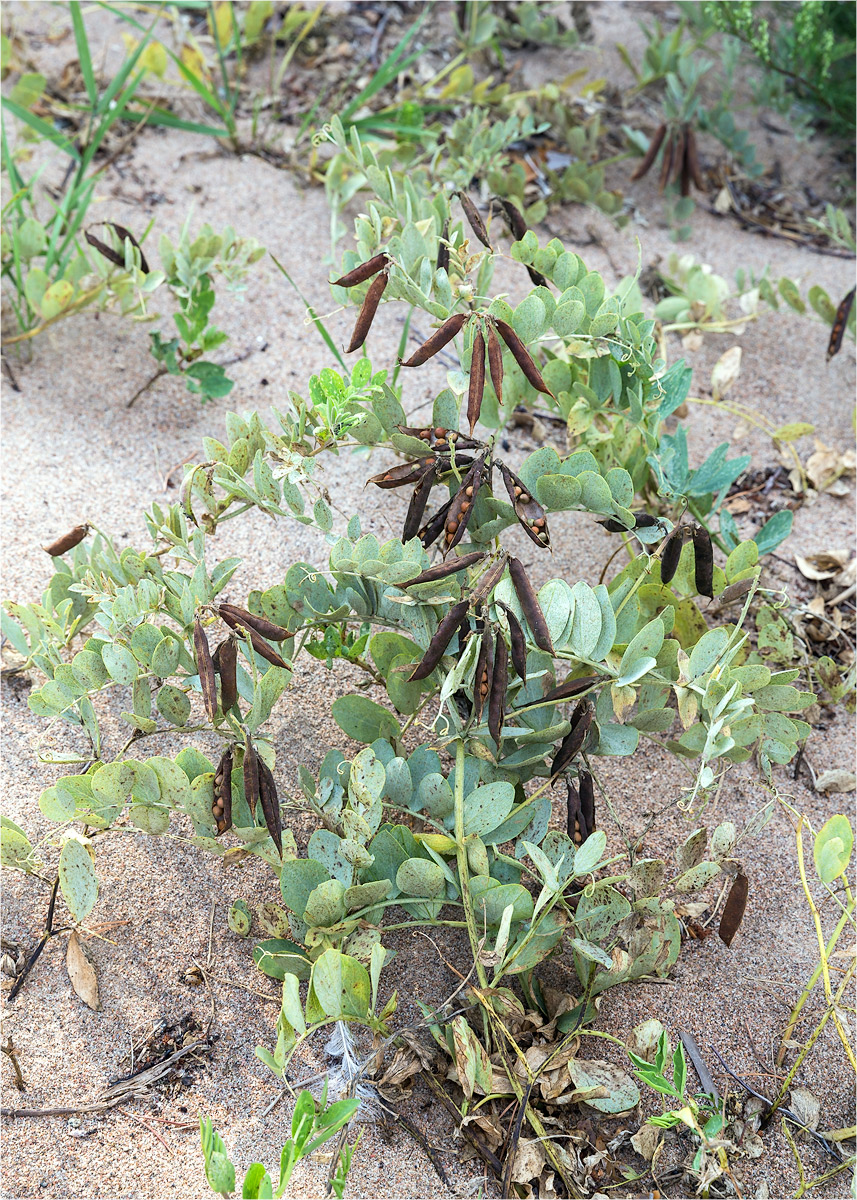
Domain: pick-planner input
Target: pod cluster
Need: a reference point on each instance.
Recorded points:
(680, 160)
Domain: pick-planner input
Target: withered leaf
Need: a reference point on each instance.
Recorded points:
(528, 600)
(81, 972)
(733, 910)
(440, 641)
(367, 312)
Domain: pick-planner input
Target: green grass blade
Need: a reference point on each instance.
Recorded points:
(316, 320)
(42, 128)
(83, 55)
(386, 72)
(160, 116)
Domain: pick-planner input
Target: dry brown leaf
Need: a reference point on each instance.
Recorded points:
(82, 973)
(825, 464)
(529, 1160)
(825, 565)
(836, 780)
(726, 371)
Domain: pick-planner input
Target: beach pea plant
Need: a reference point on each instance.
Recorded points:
(500, 697)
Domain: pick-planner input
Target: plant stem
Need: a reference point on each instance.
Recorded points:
(461, 858)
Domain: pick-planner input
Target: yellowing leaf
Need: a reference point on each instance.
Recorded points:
(223, 23)
(193, 61)
(56, 298)
(154, 58)
(792, 431)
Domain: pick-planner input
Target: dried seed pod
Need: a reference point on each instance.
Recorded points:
(514, 218)
(222, 806)
(519, 644)
(205, 667)
(840, 322)
(441, 439)
(419, 500)
(476, 388)
(362, 272)
(461, 509)
(251, 775)
(440, 338)
(112, 255)
(703, 562)
(668, 163)
(684, 165)
(67, 542)
(499, 683)
(651, 154)
(440, 641)
(641, 521)
(402, 475)
(692, 157)
(529, 512)
(443, 248)
(587, 804)
(671, 553)
(270, 805)
(571, 687)
(227, 666)
(733, 910)
(264, 650)
(484, 672)
(522, 357)
(495, 363)
(444, 465)
(367, 312)
(434, 526)
(571, 744)
(526, 594)
(235, 616)
(450, 567)
(474, 220)
(489, 581)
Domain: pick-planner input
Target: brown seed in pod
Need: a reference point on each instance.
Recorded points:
(703, 562)
(651, 154)
(434, 526)
(270, 805)
(476, 388)
(484, 672)
(529, 512)
(461, 509)
(68, 541)
(671, 553)
(430, 437)
(580, 809)
(223, 791)
(251, 775)
(235, 616)
(692, 155)
(519, 644)
(440, 570)
(440, 641)
(571, 687)
(443, 248)
(571, 744)
(499, 683)
(474, 220)
(367, 312)
(528, 600)
(522, 357)
(418, 502)
(495, 363)
(361, 272)
(402, 475)
(440, 338)
(840, 322)
(668, 162)
(227, 653)
(205, 667)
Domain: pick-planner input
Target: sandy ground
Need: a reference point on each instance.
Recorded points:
(72, 451)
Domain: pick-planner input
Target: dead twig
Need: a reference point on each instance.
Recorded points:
(12, 1054)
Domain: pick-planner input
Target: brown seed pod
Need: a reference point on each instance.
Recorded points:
(440, 570)
(641, 521)
(235, 616)
(519, 644)
(418, 502)
(489, 581)
(362, 272)
(476, 388)
(443, 248)
(684, 173)
(474, 220)
(522, 357)
(112, 255)
(367, 312)
(434, 526)
(68, 541)
(692, 158)
(439, 439)
(840, 322)
(461, 509)
(251, 775)
(484, 672)
(440, 338)
(495, 363)
(571, 744)
(440, 641)
(587, 803)
(223, 792)
(529, 512)
(580, 808)
(671, 553)
(651, 154)
(668, 162)
(703, 562)
(526, 594)
(402, 475)
(227, 666)
(205, 667)
(270, 805)
(264, 650)
(571, 687)
(733, 910)
(514, 218)
(499, 683)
